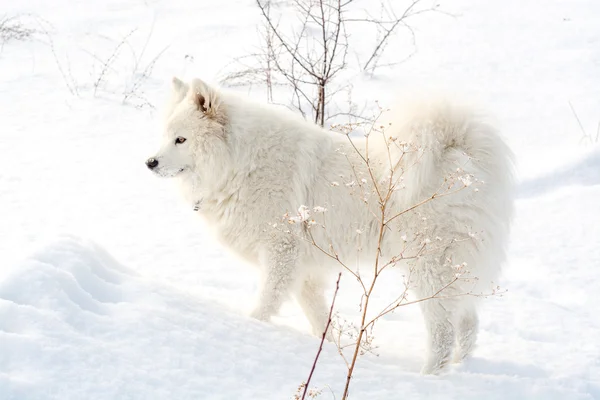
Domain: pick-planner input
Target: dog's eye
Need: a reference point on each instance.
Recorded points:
(180, 140)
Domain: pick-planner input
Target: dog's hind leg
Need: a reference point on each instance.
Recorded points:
(438, 314)
(466, 332)
(278, 262)
(311, 298)
(440, 336)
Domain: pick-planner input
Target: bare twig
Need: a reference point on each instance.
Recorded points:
(389, 26)
(106, 65)
(13, 28)
(312, 370)
(585, 135)
(139, 77)
(67, 76)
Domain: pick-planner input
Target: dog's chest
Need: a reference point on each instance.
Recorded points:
(236, 227)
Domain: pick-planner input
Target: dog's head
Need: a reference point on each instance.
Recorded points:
(194, 133)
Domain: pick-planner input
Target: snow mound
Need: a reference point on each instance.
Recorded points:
(75, 324)
(583, 172)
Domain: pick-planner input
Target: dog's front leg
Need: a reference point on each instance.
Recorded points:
(278, 261)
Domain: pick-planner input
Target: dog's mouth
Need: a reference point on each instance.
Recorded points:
(182, 171)
(169, 173)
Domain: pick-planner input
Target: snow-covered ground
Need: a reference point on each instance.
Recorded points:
(169, 318)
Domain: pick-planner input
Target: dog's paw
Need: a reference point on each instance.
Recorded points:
(429, 370)
(434, 367)
(260, 315)
(459, 357)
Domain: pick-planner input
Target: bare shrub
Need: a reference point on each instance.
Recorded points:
(310, 54)
(417, 239)
(308, 67)
(137, 71)
(64, 66)
(14, 28)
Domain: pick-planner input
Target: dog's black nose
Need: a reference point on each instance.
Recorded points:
(151, 163)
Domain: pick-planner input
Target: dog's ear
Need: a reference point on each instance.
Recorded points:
(180, 88)
(207, 100)
(178, 92)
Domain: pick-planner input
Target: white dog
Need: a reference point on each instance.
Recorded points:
(244, 165)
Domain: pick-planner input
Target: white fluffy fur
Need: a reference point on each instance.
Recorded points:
(248, 164)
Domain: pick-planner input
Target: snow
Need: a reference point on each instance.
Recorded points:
(169, 319)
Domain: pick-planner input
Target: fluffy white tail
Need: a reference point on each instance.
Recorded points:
(440, 138)
(428, 143)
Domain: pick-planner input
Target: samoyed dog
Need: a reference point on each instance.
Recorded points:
(429, 191)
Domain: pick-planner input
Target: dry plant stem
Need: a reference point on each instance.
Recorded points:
(394, 21)
(384, 190)
(436, 195)
(382, 226)
(302, 62)
(578, 120)
(583, 132)
(401, 304)
(322, 67)
(365, 157)
(389, 31)
(365, 307)
(312, 370)
(336, 257)
(384, 198)
(68, 79)
(13, 28)
(107, 64)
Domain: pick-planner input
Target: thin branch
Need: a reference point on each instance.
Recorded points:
(433, 296)
(335, 257)
(300, 60)
(427, 200)
(107, 64)
(578, 120)
(312, 370)
(408, 12)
